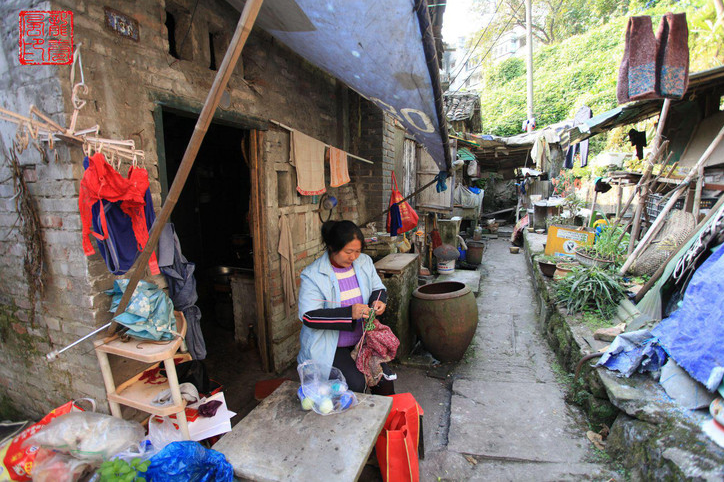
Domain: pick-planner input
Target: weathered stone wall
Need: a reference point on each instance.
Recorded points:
(128, 81)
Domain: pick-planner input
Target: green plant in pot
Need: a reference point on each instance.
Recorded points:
(590, 290)
(609, 247)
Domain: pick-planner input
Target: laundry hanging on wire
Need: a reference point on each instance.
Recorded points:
(308, 154)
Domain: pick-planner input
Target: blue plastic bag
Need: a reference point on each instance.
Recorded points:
(189, 462)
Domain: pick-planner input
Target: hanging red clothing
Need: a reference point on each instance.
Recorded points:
(103, 183)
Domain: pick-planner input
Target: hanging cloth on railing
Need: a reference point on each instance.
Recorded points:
(307, 155)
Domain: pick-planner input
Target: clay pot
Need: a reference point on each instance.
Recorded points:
(444, 316)
(548, 269)
(563, 270)
(475, 252)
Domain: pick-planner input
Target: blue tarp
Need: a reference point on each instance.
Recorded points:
(376, 48)
(693, 335)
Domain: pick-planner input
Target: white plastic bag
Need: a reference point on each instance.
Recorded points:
(324, 389)
(162, 431)
(88, 435)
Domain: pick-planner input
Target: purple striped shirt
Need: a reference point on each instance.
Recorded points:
(350, 294)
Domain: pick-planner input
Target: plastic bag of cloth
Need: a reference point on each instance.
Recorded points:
(51, 466)
(464, 197)
(149, 314)
(88, 435)
(189, 462)
(324, 389)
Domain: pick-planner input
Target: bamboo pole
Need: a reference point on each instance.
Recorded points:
(659, 272)
(669, 205)
(243, 29)
(697, 192)
(647, 173)
(644, 180)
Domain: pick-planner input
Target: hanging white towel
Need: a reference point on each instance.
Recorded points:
(307, 155)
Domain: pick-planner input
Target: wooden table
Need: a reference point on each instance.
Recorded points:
(280, 441)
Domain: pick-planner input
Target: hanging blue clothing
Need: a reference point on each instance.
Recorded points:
(179, 273)
(120, 250)
(583, 114)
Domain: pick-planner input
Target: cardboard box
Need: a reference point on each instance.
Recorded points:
(563, 240)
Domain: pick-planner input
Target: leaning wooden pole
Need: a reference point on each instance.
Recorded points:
(243, 29)
(643, 193)
(669, 205)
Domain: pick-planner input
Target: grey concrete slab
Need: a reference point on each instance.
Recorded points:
(280, 441)
(535, 241)
(449, 466)
(512, 420)
(470, 277)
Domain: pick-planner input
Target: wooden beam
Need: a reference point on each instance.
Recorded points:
(243, 29)
(256, 173)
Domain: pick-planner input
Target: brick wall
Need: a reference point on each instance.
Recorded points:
(127, 80)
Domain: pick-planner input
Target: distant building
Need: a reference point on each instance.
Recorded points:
(510, 44)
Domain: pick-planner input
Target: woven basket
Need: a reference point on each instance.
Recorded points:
(676, 229)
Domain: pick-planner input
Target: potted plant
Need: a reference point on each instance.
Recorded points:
(547, 265)
(590, 290)
(608, 248)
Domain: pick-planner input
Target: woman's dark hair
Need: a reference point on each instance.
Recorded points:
(336, 234)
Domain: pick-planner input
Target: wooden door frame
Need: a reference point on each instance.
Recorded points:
(260, 245)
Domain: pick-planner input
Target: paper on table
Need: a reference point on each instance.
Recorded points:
(205, 427)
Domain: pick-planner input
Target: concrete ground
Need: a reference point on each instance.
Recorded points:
(500, 413)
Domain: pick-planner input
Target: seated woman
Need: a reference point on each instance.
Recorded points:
(338, 291)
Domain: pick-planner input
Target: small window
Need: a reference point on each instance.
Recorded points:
(212, 52)
(171, 29)
(721, 103)
(178, 29)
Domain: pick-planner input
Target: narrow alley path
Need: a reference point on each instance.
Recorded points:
(508, 419)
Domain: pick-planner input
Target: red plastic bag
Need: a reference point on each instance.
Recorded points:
(407, 214)
(17, 461)
(398, 444)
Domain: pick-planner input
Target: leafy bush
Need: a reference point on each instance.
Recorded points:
(591, 290)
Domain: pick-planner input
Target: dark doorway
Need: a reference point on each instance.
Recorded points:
(211, 219)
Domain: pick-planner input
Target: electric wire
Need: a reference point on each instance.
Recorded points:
(466, 57)
(503, 30)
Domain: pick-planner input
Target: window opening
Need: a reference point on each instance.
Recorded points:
(212, 52)
(171, 29)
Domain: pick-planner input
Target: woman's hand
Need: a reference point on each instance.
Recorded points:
(379, 307)
(360, 311)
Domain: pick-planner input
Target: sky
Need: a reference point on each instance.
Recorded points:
(459, 20)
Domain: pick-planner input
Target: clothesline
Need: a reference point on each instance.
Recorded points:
(329, 146)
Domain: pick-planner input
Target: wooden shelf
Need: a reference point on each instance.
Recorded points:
(139, 393)
(144, 351)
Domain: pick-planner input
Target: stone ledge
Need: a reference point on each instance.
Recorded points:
(651, 435)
